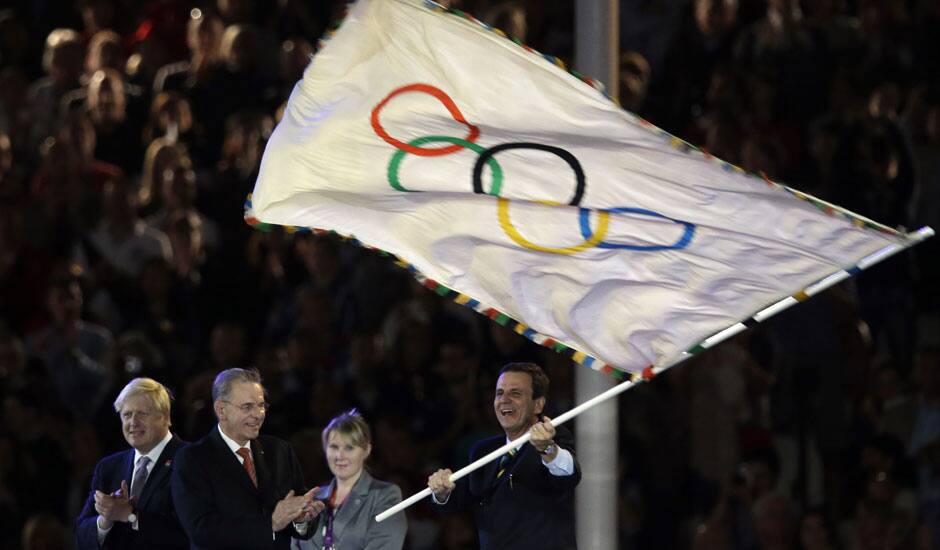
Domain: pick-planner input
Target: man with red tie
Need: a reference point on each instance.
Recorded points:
(130, 505)
(236, 488)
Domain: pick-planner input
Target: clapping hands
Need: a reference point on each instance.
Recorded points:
(296, 509)
(114, 507)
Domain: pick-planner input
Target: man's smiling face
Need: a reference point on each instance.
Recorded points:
(242, 413)
(515, 409)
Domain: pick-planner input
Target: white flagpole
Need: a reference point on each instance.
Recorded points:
(913, 238)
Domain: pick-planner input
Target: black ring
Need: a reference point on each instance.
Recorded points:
(565, 155)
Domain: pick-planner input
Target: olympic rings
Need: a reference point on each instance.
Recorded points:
(681, 243)
(486, 155)
(565, 155)
(448, 104)
(395, 163)
(593, 240)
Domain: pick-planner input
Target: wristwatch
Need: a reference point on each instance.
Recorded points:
(548, 450)
(132, 518)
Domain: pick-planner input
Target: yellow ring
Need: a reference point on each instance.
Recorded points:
(603, 221)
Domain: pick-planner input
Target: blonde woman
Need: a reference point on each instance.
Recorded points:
(354, 497)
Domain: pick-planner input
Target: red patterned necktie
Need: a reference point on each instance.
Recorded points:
(248, 464)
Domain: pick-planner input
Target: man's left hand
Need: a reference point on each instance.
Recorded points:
(312, 508)
(543, 439)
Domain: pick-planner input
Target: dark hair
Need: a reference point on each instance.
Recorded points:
(539, 378)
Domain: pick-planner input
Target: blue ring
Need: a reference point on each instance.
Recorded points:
(683, 241)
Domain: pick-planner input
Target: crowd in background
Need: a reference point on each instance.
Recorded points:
(131, 132)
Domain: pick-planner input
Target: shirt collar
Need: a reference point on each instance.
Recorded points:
(232, 444)
(517, 449)
(154, 453)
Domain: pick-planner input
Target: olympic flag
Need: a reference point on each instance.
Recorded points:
(518, 186)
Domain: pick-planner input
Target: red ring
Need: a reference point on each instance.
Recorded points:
(421, 151)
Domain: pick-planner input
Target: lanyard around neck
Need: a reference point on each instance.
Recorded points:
(330, 514)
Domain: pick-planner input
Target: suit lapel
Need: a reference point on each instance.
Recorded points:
(128, 474)
(263, 472)
(481, 481)
(160, 471)
(229, 462)
(354, 502)
(523, 459)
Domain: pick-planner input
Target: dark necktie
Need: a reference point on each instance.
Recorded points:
(140, 478)
(248, 464)
(504, 462)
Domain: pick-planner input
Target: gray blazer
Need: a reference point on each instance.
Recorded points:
(354, 526)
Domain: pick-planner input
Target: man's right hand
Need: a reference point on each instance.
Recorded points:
(440, 484)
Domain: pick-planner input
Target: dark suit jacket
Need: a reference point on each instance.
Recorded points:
(218, 505)
(526, 509)
(156, 519)
(354, 526)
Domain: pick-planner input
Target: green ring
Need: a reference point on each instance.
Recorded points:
(395, 162)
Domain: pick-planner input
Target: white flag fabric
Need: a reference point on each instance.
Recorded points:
(500, 176)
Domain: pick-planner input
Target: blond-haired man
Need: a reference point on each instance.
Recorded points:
(130, 505)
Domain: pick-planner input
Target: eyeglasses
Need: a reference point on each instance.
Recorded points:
(248, 407)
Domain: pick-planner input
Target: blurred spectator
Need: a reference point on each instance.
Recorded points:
(43, 532)
(62, 61)
(105, 51)
(116, 135)
(894, 408)
(705, 38)
(817, 531)
(635, 75)
(14, 108)
(162, 154)
(122, 243)
(510, 17)
(203, 36)
(775, 522)
(186, 233)
(11, 183)
(179, 190)
(295, 57)
(171, 118)
(717, 405)
(98, 15)
(72, 350)
(226, 346)
(69, 180)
